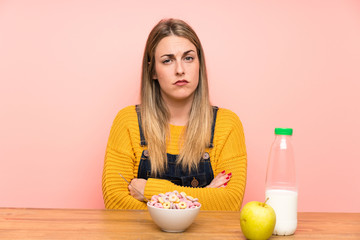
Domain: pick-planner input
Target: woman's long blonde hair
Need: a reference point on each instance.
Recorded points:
(154, 113)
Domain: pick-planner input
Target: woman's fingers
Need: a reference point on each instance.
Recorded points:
(137, 185)
(220, 180)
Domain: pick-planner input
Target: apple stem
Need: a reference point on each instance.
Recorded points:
(265, 201)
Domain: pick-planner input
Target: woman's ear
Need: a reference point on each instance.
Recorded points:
(154, 76)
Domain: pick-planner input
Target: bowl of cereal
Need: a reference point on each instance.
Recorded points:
(173, 211)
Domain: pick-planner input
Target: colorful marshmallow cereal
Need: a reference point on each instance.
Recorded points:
(174, 200)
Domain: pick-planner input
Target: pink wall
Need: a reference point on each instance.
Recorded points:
(67, 67)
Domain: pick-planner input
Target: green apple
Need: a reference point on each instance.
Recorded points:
(257, 220)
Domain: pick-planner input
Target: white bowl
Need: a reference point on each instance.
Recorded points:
(173, 220)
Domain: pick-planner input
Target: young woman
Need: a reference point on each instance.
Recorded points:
(175, 139)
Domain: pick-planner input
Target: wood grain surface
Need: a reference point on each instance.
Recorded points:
(16, 223)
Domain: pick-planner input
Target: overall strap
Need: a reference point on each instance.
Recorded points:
(142, 137)
(215, 110)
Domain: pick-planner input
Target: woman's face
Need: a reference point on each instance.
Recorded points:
(176, 68)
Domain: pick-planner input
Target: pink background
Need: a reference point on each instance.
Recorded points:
(67, 67)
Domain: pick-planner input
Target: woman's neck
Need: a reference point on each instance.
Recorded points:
(179, 111)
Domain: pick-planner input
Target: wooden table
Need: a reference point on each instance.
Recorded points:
(18, 223)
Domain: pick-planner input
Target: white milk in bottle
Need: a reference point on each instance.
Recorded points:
(281, 187)
(284, 203)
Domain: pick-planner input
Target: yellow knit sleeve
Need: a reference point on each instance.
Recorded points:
(229, 154)
(120, 158)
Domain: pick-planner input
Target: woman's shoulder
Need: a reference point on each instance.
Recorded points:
(128, 110)
(127, 114)
(227, 118)
(124, 129)
(227, 114)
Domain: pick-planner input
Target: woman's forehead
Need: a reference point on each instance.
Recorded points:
(174, 45)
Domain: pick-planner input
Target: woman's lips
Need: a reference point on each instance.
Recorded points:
(181, 82)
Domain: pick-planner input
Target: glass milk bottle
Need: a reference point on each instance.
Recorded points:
(280, 185)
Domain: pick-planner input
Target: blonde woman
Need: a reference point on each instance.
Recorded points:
(175, 139)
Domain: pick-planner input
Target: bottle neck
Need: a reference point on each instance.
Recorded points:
(283, 137)
(282, 142)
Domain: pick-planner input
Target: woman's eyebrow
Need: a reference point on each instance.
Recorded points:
(172, 55)
(187, 52)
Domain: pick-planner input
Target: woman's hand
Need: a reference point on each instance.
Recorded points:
(139, 184)
(220, 180)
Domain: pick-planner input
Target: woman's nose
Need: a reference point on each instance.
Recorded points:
(179, 69)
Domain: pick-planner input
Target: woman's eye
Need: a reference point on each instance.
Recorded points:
(166, 61)
(189, 59)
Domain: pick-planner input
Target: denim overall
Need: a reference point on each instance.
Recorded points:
(174, 173)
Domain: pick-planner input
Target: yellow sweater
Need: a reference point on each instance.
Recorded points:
(124, 151)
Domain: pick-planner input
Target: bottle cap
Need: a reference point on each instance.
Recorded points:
(283, 131)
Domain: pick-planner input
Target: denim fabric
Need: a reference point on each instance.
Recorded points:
(174, 172)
